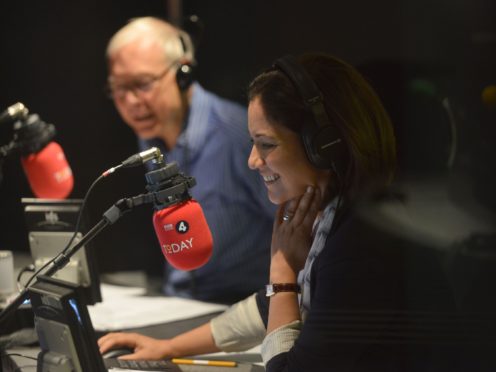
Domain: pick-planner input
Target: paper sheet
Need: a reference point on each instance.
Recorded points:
(123, 307)
(252, 356)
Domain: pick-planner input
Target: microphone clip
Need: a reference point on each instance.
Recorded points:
(168, 186)
(30, 135)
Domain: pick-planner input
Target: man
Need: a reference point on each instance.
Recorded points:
(150, 64)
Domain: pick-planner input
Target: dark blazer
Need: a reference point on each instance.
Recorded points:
(372, 294)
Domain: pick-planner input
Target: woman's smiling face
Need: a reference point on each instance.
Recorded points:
(278, 155)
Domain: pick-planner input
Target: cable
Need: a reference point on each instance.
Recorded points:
(454, 133)
(144, 156)
(29, 267)
(76, 230)
(21, 355)
(340, 197)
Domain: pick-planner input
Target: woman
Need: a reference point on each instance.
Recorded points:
(321, 139)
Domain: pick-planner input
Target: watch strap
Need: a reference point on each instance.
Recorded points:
(273, 288)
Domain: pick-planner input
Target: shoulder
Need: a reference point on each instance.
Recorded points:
(356, 243)
(352, 250)
(226, 115)
(363, 256)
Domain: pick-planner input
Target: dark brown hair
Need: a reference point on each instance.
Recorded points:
(352, 106)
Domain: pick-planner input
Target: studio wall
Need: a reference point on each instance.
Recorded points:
(53, 61)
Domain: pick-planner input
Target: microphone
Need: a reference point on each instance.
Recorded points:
(44, 162)
(178, 220)
(184, 235)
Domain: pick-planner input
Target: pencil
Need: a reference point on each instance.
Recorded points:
(217, 363)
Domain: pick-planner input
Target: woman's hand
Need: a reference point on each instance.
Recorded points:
(144, 347)
(292, 235)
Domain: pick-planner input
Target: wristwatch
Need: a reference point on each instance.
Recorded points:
(273, 288)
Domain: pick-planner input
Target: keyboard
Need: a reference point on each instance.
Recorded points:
(142, 365)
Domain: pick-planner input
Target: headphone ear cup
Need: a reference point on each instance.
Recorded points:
(324, 147)
(185, 76)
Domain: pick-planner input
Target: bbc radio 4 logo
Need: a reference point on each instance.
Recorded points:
(181, 227)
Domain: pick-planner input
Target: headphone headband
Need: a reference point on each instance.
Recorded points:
(319, 137)
(311, 95)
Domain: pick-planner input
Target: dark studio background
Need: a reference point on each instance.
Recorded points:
(415, 52)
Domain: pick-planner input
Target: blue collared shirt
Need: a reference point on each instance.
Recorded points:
(213, 148)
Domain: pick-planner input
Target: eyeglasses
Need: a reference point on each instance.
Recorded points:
(139, 87)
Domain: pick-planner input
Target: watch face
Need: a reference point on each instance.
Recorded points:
(269, 290)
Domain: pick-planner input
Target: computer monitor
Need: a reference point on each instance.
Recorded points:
(64, 328)
(66, 335)
(51, 224)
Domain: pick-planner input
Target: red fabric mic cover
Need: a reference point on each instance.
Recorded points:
(48, 172)
(184, 235)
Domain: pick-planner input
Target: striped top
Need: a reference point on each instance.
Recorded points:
(214, 148)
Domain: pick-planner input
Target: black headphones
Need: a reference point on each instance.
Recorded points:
(321, 140)
(185, 74)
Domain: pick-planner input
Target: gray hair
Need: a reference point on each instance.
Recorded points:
(176, 43)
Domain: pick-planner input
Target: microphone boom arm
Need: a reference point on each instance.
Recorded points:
(166, 197)
(61, 260)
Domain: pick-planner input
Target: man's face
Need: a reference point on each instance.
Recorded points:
(144, 88)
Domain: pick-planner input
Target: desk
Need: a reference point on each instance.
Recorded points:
(21, 364)
(163, 330)
(245, 360)
(166, 330)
